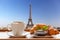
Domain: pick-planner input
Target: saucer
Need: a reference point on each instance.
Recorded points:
(17, 36)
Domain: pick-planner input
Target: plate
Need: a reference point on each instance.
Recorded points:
(47, 36)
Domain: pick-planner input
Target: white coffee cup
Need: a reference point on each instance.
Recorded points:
(17, 28)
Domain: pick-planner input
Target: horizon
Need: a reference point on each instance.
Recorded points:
(43, 11)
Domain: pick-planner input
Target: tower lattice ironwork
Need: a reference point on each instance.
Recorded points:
(30, 22)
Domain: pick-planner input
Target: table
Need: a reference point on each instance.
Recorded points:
(30, 39)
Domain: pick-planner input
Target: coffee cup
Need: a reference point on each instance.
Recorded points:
(17, 28)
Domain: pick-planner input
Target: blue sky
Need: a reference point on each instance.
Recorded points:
(43, 11)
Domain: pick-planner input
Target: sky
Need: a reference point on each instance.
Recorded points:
(43, 11)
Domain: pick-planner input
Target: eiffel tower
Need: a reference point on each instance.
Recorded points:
(30, 23)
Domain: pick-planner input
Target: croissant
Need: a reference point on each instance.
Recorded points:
(53, 32)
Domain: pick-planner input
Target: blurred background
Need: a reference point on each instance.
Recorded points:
(43, 11)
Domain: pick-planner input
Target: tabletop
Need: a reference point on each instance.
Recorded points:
(30, 39)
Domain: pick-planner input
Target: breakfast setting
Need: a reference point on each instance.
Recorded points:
(37, 31)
